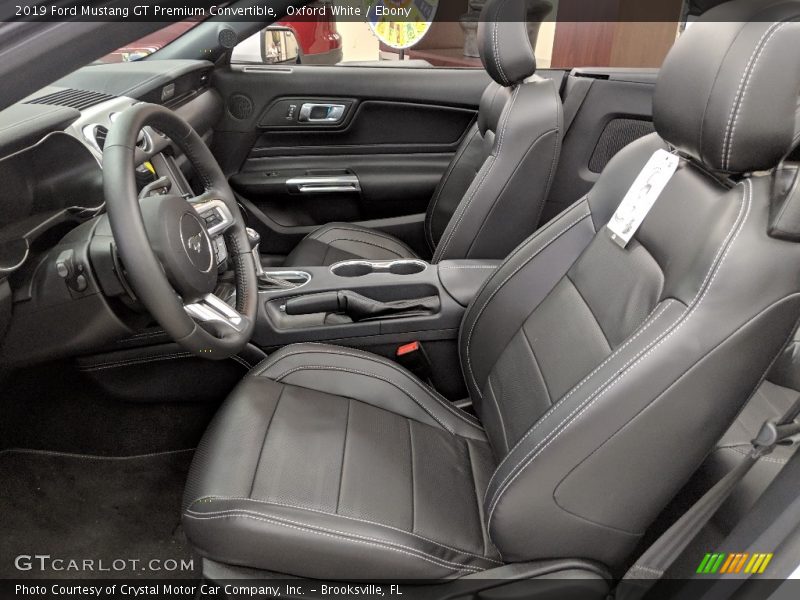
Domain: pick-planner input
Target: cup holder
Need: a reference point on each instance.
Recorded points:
(359, 268)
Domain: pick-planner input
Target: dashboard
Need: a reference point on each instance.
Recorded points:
(51, 147)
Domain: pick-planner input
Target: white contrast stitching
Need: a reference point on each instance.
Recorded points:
(594, 396)
(647, 325)
(376, 359)
(330, 514)
(741, 93)
(441, 268)
(241, 361)
(317, 234)
(340, 535)
(435, 202)
(499, 287)
(650, 570)
(654, 315)
(440, 250)
(739, 450)
(726, 137)
(366, 374)
(496, 43)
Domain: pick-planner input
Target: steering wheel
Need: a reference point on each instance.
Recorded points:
(164, 244)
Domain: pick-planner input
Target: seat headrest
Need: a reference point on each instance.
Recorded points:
(506, 37)
(728, 92)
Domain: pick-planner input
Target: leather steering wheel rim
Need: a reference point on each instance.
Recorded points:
(155, 249)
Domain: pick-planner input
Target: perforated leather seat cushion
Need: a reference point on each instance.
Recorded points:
(387, 483)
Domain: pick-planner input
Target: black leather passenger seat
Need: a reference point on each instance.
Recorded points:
(493, 192)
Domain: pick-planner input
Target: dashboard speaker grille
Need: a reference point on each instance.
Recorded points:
(227, 38)
(79, 99)
(240, 106)
(617, 134)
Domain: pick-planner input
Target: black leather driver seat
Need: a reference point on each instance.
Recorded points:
(492, 193)
(347, 455)
(602, 376)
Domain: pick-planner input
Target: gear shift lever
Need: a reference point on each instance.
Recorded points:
(265, 279)
(255, 240)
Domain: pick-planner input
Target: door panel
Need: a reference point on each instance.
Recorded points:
(390, 185)
(376, 126)
(378, 160)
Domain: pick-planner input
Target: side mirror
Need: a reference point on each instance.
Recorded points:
(279, 46)
(274, 45)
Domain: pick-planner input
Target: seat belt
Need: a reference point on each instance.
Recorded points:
(651, 566)
(576, 94)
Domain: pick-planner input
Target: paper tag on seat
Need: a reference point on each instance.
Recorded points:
(642, 195)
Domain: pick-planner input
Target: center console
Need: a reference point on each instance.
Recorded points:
(362, 302)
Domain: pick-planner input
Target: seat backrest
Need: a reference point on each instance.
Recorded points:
(492, 194)
(605, 374)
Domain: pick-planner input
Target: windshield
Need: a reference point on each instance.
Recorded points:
(150, 43)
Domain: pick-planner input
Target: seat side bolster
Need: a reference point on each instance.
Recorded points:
(497, 312)
(514, 180)
(367, 378)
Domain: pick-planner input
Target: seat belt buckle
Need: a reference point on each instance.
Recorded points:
(414, 358)
(771, 434)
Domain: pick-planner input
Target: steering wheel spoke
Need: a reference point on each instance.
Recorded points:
(213, 309)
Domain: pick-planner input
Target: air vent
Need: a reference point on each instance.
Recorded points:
(97, 134)
(80, 99)
(100, 135)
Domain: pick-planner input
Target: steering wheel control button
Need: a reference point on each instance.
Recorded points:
(62, 269)
(216, 216)
(80, 283)
(72, 271)
(221, 249)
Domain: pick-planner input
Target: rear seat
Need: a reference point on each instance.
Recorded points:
(773, 398)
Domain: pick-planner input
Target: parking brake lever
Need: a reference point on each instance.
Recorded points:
(356, 306)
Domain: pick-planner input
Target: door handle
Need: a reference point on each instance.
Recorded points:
(340, 184)
(321, 113)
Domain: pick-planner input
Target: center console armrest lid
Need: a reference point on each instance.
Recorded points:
(463, 278)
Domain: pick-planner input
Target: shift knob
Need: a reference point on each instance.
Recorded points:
(253, 237)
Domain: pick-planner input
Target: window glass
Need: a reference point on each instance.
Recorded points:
(319, 37)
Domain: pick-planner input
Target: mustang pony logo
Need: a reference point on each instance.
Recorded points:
(195, 243)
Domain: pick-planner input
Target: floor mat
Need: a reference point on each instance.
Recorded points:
(123, 514)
